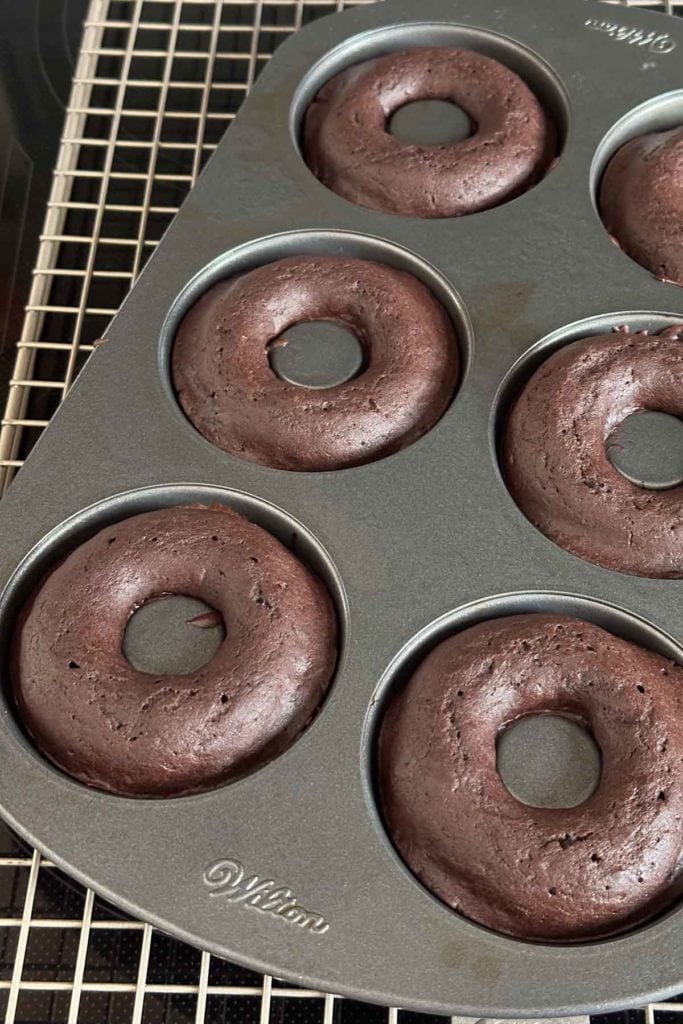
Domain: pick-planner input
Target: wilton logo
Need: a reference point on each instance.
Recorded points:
(655, 42)
(226, 878)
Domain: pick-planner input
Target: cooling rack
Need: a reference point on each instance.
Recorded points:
(155, 85)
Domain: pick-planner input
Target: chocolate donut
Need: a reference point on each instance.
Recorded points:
(348, 147)
(226, 387)
(641, 202)
(555, 458)
(540, 873)
(129, 732)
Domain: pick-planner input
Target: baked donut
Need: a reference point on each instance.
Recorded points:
(228, 390)
(348, 147)
(129, 732)
(641, 202)
(541, 873)
(555, 457)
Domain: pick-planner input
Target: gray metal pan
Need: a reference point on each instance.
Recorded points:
(412, 547)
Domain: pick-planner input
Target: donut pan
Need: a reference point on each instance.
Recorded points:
(413, 547)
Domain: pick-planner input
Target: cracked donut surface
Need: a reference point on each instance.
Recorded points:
(641, 202)
(554, 450)
(227, 389)
(138, 734)
(557, 874)
(348, 146)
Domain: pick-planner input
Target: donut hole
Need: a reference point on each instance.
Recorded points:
(430, 123)
(317, 354)
(172, 635)
(548, 760)
(647, 449)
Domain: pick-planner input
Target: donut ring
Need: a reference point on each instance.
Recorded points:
(348, 147)
(129, 732)
(555, 459)
(539, 873)
(641, 202)
(227, 389)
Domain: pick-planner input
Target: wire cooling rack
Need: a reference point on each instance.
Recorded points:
(156, 84)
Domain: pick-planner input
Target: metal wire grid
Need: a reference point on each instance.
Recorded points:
(155, 86)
